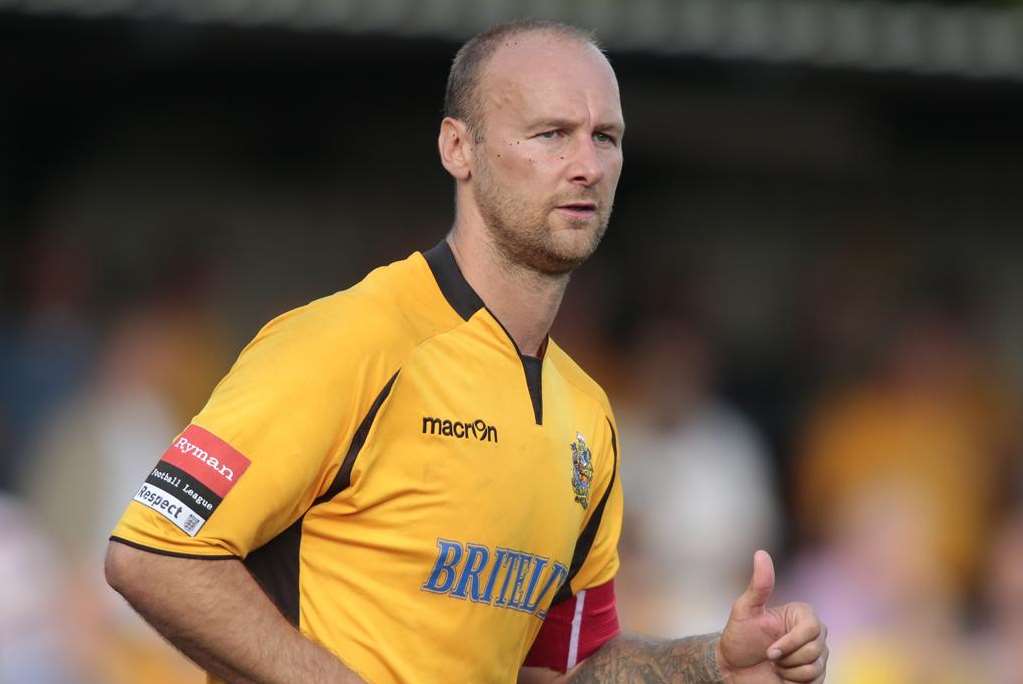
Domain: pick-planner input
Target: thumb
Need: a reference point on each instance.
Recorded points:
(753, 600)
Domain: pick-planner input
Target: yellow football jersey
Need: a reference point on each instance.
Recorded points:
(410, 490)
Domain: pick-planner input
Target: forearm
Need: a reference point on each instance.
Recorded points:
(216, 614)
(692, 660)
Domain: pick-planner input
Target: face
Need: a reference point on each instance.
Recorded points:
(545, 173)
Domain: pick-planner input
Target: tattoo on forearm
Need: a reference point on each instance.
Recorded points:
(634, 660)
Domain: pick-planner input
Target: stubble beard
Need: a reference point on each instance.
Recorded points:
(523, 232)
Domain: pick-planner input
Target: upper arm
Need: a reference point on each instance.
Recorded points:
(269, 441)
(140, 574)
(118, 566)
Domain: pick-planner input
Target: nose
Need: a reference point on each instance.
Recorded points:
(586, 168)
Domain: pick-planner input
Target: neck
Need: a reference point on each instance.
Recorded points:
(524, 301)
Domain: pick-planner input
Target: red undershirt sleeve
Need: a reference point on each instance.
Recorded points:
(575, 628)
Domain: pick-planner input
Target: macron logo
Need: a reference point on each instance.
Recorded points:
(474, 429)
(189, 449)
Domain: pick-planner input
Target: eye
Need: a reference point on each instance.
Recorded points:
(551, 135)
(605, 139)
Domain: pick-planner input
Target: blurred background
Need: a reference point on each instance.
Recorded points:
(808, 311)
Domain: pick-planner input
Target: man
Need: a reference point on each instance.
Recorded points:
(410, 472)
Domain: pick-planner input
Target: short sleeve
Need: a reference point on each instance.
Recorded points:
(271, 438)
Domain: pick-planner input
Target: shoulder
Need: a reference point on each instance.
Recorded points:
(579, 379)
(387, 314)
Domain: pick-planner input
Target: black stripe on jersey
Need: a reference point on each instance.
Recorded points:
(585, 541)
(453, 285)
(534, 383)
(533, 368)
(275, 564)
(344, 473)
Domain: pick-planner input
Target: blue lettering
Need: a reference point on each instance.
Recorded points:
(527, 605)
(500, 558)
(515, 562)
(517, 598)
(558, 574)
(476, 558)
(459, 568)
(447, 559)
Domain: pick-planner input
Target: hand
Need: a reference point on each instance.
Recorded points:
(761, 645)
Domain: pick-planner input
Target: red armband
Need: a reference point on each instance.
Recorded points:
(575, 628)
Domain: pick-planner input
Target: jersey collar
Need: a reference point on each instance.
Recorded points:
(464, 300)
(453, 285)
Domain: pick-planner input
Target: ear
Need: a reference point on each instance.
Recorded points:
(455, 145)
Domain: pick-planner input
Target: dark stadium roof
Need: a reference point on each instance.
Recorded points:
(973, 40)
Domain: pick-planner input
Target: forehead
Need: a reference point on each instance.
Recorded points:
(549, 75)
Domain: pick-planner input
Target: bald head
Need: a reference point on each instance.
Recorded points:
(464, 97)
(533, 139)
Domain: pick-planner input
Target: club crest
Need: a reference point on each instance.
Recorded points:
(582, 471)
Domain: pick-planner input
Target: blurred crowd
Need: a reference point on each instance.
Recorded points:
(854, 410)
(88, 401)
(895, 508)
(890, 496)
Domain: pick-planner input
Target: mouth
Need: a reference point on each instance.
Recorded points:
(579, 210)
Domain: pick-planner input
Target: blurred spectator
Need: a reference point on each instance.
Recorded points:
(35, 637)
(94, 453)
(902, 479)
(159, 359)
(934, 422)
(1002, 640)
(893, 617)
(98, 447)
(697, 488)
(45, 346)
